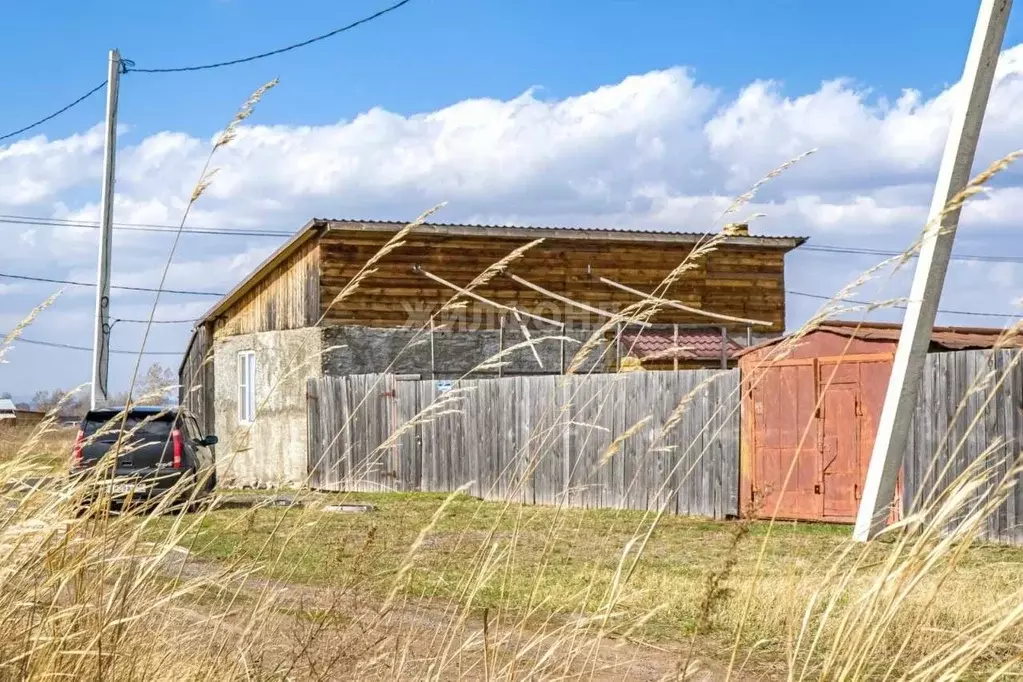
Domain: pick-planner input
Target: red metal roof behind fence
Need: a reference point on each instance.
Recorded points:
(942, 338)
(951, 338)
(691, 344)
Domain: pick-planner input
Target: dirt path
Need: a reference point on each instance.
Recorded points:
(306, 632)
(309, 625)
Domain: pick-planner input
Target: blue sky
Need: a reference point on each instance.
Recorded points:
(431, 53)
(434, 54)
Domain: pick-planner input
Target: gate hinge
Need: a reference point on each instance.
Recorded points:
(387, 394)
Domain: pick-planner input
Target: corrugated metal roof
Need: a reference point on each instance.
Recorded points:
(942, 338)
(346, 223)
(691, 344)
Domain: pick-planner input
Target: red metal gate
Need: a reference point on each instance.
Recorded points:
(808, 431)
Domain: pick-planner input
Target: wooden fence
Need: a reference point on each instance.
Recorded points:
(969, 413)
(639, 440)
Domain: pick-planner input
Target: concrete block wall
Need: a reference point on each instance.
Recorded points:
(367, 350)
(271, 451)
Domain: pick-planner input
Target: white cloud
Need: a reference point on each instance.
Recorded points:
(35, 170)
(658, 150)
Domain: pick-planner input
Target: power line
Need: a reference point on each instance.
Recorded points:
(55, 114)
(66, 346)
(51, 280)
(61, 223)
(123, 319)
(258, 232)
(825, 248)
(821, 297)
(138, 227)
(278, 51)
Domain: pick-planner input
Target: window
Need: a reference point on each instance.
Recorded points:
(246, 387)
(105, 427)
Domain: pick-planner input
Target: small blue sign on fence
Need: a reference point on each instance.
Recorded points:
(444, 385)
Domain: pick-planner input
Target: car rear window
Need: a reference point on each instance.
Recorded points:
(156, 428)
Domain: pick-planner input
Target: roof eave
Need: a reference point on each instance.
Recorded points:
(783, 243)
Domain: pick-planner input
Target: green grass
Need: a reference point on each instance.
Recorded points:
(547, 563)
(574, 545)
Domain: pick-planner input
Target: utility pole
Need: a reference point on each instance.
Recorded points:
(101, 343)
(931, 266)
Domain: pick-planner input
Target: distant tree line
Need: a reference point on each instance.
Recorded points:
(155, 387)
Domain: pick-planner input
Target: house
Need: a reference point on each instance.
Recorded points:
(10, 414)
(813, 404)
(313, 308)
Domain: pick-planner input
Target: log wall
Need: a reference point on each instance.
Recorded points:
(741, 281)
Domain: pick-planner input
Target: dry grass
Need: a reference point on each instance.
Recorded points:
(448, 587)
(46, 450)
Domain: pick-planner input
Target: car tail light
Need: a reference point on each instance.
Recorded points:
(178, 447)
(79, 440)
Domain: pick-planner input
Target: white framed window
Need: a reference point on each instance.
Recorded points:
(246, 387)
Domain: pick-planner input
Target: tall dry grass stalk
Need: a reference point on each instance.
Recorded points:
(14, 334)
(202, 184)
(91, 594)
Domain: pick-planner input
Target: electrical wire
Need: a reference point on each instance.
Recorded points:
(66, 346)
(825, 248)
(257, 232)
(263, 55)
(185, 292)
(130, 321)
(55, 114)
(821, 297)
(52, 280)
(58, 222)
(138, 227)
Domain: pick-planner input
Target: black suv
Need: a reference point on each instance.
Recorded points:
(160, 446)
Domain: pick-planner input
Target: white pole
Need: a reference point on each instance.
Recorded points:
(935, 250)
(101, 344)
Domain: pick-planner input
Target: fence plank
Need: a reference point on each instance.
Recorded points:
(1013, 425)
(409, 453)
